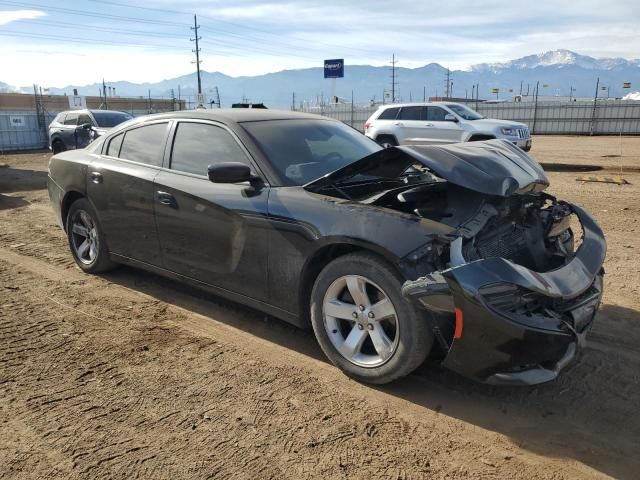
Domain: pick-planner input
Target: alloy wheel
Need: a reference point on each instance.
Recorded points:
(84, 237)
(360, 321)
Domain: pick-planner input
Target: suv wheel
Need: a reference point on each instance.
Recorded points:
(362, 322)
(387, 141)
(57, 146)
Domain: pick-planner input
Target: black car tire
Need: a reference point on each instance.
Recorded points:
(387, 141)
(57, 146)
(526, 149)
(100, 262)
(414, 335)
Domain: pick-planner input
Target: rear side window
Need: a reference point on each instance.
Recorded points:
(71, 119)
(389, 114)
(411, 113)
(61, 117)
(113, 150)
(144, 144)
(198, 145)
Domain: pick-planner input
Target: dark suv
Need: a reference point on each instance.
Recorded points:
(78, 128)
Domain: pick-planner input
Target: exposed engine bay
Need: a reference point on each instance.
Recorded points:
(530, 229)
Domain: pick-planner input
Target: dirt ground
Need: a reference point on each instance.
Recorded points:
(128, 375)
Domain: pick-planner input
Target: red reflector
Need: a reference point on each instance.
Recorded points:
(367, 125)
(457, 333)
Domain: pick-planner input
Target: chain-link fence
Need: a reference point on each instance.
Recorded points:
(605, 117)
(23, 131)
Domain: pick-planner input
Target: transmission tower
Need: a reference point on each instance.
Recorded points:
(197, 52)
(449, 84)
(393, 78)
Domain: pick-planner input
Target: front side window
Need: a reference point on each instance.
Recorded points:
(303, 150)
(464, 112)
(144, 144)
(410, 113)
(84, 118)
(198, 145)
(436, 114)
(71, 119)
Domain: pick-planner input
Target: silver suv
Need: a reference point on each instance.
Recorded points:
(77, 128)
(440, 122)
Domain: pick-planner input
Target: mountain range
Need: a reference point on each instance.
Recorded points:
(557, 72)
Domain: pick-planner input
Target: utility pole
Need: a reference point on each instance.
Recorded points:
(218, 96)
(179, 100)
(197, 52)
(149, 100)
(173, 101)
(448, 85)
(293, 102)
(393, 78)
(520, 87)
(104, 94)
(424, 93)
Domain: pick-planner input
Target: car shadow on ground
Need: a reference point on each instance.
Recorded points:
(587, 414)
(21, 180)
(8, 202)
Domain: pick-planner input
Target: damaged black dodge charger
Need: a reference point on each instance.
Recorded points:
(391, 255)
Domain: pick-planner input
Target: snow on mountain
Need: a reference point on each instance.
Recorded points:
(557, 58)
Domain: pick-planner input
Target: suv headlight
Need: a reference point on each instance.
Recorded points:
(508, 131)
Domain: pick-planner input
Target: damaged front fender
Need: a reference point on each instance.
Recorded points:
(518, 326)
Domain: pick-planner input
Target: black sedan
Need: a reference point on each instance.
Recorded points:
(391, 255)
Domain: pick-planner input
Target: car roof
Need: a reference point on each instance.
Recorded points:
(234, 115)
(90, 110)
(418, 104)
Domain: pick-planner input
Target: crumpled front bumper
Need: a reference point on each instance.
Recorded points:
(499, 346)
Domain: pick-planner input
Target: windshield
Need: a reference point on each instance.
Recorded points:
(302, 150)
(110, 119)
(464, 112)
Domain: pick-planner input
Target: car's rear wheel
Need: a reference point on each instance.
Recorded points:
(86, 238)
(362, 322)
(387, 141)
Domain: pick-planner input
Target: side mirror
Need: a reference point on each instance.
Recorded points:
(84, 126)
(230, 172)
(450, 117)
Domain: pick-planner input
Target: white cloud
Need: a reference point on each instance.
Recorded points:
(8, 16)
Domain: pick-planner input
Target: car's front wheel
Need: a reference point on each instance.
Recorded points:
(362, 322)
(86, 238)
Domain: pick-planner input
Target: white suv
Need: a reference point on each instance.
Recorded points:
(440, 122)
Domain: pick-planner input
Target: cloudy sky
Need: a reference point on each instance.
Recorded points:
(82, 41)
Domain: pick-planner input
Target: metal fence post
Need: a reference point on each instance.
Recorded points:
(352, 108)
(535, 109)
(593, 112)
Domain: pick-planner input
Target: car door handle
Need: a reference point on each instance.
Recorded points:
(166, 199)
(96, 177)
(398, 123)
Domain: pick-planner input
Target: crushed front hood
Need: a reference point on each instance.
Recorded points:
(493, 167)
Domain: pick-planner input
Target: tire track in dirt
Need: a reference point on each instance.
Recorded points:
(145, 378)
(133, 395)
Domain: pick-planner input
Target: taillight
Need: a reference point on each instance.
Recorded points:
(366, 126)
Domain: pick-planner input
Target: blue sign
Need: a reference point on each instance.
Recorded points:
(334, 68)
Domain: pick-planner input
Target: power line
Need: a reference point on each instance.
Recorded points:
(218, 20)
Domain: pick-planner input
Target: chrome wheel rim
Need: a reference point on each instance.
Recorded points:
(360, 321)
(84, 237)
